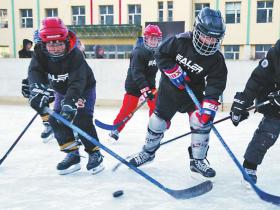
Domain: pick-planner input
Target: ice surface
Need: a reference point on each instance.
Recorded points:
(29, 180)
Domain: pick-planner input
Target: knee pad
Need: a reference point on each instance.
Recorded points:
(264, 137)
(199, 138)
(157, 126)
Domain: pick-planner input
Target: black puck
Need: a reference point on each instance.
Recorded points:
(118, 193)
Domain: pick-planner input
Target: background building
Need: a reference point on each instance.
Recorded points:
(253, 26)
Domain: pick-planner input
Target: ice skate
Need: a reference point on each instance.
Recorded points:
(70, 163)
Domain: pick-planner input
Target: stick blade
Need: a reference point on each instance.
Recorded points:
(192, 192)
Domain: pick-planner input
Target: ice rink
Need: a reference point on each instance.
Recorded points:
(29, 180)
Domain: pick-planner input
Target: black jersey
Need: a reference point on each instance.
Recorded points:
(70, 76)
(208, 74)
(265, 79)
(141, 72)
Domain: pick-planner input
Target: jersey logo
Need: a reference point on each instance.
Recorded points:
(195, 68)
(58, 78)
(152, 63)
(264, 63)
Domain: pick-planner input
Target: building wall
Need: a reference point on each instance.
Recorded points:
(244, 33)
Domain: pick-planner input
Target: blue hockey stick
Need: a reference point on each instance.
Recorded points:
(115, 127)
(187, 193)
(263, 195)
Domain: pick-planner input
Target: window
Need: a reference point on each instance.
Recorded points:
(134, 14)
(170, 11)
(106, 15)
(51, 13)
(261, 50)
(264, 11)
(110, 51)
(78, 15)
(4, 52)
(231, 52)
(200, 6)
(160, 11)
(26, 18)
(233, 12)
(3, 18)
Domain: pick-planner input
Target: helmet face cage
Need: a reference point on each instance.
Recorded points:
(203, 47)
(152, 37)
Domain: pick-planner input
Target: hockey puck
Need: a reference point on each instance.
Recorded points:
(118, 193)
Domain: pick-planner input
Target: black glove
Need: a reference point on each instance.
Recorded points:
(39, 97)
(68, 110)
(274, 98)
(238, 109)
(147, 93)
(25, 88)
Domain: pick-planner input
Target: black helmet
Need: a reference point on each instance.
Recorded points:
(208, 24)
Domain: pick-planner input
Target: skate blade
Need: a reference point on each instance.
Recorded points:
(46, 140)
(112, 141)
(97, 169)
(246, 184)
(70, 170)
(199, 177)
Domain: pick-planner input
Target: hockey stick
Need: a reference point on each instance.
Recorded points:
(263, 195)
(187, 193)
(190, 132)
(128, 117)
(216, 122)
(18, 138)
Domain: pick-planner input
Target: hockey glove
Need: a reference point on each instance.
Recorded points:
(208, 111)
(68, 110)
(25, 88)
(39, 97)
(177, 76)
(274, 98)
(238, 110)
(147, 93)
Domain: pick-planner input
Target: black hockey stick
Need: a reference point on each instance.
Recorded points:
(187, 193)
(18, 138)
(262, 195)
(190, 132)
(216, 122)
(128, 117)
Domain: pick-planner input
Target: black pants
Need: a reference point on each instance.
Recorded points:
(264, 137)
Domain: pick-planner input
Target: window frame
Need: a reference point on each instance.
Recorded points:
(268, 12)
(24, 19)
(80, 18)
(104, 18)
(137, 12)
(4, 21)
(196, 11)
(236, 12)
(52, 10)
(235, 53)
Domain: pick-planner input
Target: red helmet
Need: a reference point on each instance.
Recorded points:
(53, 29)
(152, 30)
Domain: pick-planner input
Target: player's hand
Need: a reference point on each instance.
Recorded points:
(177, 76)
(209, 107)
(39, 97)
(238, 110)
(25, 88)
(68, 110)
(147, 93)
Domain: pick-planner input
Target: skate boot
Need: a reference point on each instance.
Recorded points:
(114, 135)
(252, 174)
(95, 160)
(143, 157)
(199, 166)
(47, 134)
(70, 163)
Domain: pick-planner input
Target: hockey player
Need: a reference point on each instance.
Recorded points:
(47, 133)
(60, 62)
(141, 76)
(193, 58)
(263, 84)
